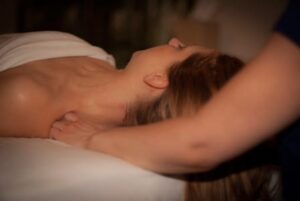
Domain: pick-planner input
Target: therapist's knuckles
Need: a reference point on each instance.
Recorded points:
(52, 133)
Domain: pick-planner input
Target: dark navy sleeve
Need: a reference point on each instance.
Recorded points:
(289, 142)
(289, 156)
(289, 23)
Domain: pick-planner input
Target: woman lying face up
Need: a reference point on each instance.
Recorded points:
(191, 84)
(44, 75)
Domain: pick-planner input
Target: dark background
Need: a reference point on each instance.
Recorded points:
(236, 27)
(118, 26)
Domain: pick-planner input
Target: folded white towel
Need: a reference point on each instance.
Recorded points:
(21, 48)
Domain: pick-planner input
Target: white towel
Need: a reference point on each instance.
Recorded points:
(21, 48)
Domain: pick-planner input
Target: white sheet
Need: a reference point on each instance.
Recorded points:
(21, 48)
(44, 170)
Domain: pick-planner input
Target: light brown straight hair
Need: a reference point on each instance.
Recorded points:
(191, 84)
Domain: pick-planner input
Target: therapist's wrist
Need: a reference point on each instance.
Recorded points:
(113, 142)
(98, 142)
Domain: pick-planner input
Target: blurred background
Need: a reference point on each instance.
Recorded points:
(236, 27)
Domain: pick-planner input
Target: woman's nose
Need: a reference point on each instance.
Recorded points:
(176, 43)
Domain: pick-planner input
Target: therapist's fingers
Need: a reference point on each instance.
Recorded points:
(69, 127)
(54, 133)
(70, 135)
(58, 125)
(71, 116)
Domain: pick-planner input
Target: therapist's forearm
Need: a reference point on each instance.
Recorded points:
(159, 147)
(257, 103)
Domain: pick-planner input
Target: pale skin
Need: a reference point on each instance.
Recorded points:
(257, 103)
(36, 94)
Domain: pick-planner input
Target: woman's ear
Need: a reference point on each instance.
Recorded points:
(156, 80)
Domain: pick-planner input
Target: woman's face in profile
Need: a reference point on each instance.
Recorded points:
(160, 58)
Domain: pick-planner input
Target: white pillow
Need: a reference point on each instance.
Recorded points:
(45, 170)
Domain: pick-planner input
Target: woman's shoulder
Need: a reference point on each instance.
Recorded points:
(23, 102)
(13, 82)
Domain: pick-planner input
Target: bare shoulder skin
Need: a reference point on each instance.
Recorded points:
(34, 95)
(41, 92)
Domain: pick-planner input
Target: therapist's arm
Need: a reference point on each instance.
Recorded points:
(256, 104)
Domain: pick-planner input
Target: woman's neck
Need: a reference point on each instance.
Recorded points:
(108, 93)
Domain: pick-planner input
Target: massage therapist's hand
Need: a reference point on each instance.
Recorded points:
(73, 130)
